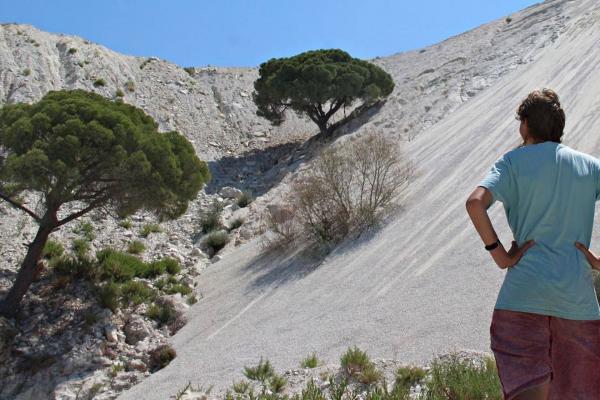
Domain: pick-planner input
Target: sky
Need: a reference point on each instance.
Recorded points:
(245, 33)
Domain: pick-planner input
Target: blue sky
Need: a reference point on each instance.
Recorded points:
(244, 33)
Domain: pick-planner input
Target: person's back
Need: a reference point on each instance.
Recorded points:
(549, 192)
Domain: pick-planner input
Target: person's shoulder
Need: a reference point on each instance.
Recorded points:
(579, 154)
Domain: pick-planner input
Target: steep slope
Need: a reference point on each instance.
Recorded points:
(423, 284)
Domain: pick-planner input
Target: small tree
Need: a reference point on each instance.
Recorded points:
(318, 83)
(79, 147)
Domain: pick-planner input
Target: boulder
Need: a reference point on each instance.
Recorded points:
(229, 192)
(136, 329)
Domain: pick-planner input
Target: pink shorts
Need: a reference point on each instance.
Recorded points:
(531, 349)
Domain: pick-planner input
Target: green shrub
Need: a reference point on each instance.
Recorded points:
(409, 375)
(370, 374)
(118, 266)
(453, 378)
(77, 267)
(211, 218)
(216, 240)
(119, 93)
(244, 199)
(99, 82)
(354, 360)
(310, 361)
(86, 229)
(135, 292)
(508, 20)
(81, 247)
(149, 228)
(179, 288)
(164, 314)
(72, 50)
(26, 72)
(171, 265)
(135, 247)
(108, 295)
(236, 223)
(52, 249)
(190, 70)
(260, 372)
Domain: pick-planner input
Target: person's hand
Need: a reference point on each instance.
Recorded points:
(506, 259)
(591, 257)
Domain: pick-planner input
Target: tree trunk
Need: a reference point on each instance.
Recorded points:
(9, 306)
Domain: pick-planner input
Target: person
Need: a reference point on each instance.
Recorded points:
(545, 328)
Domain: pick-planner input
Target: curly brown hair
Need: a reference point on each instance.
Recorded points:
(544, 114)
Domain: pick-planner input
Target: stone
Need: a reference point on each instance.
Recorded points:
(110, 331)
(136, 329)
(230, 192)
(137, 365)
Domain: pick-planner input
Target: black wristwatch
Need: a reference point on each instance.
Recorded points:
(492, 246)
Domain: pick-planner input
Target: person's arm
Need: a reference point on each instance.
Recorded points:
(477, 205)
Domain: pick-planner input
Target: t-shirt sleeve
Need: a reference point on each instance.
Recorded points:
(500, 181)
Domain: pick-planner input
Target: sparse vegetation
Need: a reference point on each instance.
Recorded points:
(130, 86)
(211, 219)
(26, 72)
(136, 247)
(453, 378)
(357, 364)
(125, 223)
(119, 93)
(190, 70)
(148, 229)
(349, 189)
(216, 240)
(161, 356)
(236, 223)
(245, 199)
(99, 82)
(310, 361)
(72, 50)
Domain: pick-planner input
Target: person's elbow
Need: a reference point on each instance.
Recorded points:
(473, 202)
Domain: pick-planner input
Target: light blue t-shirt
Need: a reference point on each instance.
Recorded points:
(549, 192)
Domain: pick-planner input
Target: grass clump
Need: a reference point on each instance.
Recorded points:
(216, 240)
(125, 223)
(52, 249)
(264, 373)
(26, 72)
(310, 361)
(85, 229)
(358, 365)
(164, 314)
(245, 199)
(453, 378)
(81, 248)
(99, 82)
(149, 228)
(119, 93)
(410, 375)
(136, 292)
(136, 247)
(190, 70)
(211, 218)
(72, 50)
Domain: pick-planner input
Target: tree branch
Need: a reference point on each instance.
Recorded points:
(79, 213)
(21, 207)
